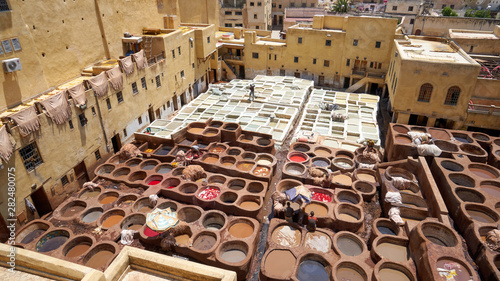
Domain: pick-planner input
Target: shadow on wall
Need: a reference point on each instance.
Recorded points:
(11, 86)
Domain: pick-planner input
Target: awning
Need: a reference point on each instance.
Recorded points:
(133, 39)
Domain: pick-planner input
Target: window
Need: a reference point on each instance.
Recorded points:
(97, 155)
(452, 6)
(379, 66)
(444, 6)
(300, 40)
(371, 64)
(394, 8)
(255, 55)
(173, 54)
(179, 50)
(377, 44)
(228, 25)
(31, 156)
(328, 43)
(274, 5)
(452, 96)
(279, 6)
(257, 27)
(348, 62)
(355, 42)
(119, 97)
(191, 42)
(208, 39)
(410, 9)
(275, 56)
(83, 119)
(412, 21)
(134, 88)
(314, 61)
(125, 132)
(252, 4)
(238, 13)
(304, 5)
(229, 13)
(270, 56)
(326, 63)
(312, 5)
(93, 111)
(64, 180)
(158, 81)
(238, 25)
(143, 82)
(255, 16)
(296, 59)
(192, 64)
(70, 125)
(259, 3)
(182, 73)
(139, 120)
(425, 92)
(108, 103)
(292, 5)
(4, 6)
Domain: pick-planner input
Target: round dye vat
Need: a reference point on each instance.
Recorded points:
(348, 217)
(90, 194)
(164, 170)
(261, 171)
(491, 189)
(99, 259)
(209, 193)
(342, 180)
(385, 230)
(51, 243)
(245, 166)
(92, 216)
(196, 130)
(317, 241)
(150, 233)
(241, 230)
(233, 255)
(71, 211)
(280, 263)
(78, 250)
(135, 227)
(312, 270)
(126, 203)
(464, 140)
(32, 236)
(392, 274)
(144, 209)
(286, 236)
(322, 152)
(112, 220)
(108, 199)
(249, 205)
(321, 163)
(483, 173)
(204, 242)
(343, 164)
(349, 246)
(319, 210)
(164, 150)
(154, 182)
(366, 177)
(264, 162)
(211, 159)
(217, 149)
(403, 139)
(321, 197)
(295, 169)
(297, 158)
(213, 226)
(148, 167)
(461, 273)
(182, 239)
(346, 273)
(439, 134)
(393, 252)
(210, 134)
(480, 216)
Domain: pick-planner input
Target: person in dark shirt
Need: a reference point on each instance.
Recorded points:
(288, 212)
(251, 96)
(311, 222)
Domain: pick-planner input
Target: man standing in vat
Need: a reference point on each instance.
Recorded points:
(288, 212)
(251, 96)
(311, 222)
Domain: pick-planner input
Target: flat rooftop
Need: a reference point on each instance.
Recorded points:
(472, 34)
(425, 50)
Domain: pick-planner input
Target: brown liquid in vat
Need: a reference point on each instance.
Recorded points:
(196, 130)
(249, 205)
(182, 239)
(280, 263)
(347, 217)
(112, 220)
(108, 199)
(319, 210)
(241, 230)
(482, 173)
(77, 250)
(393, 252)
(99, 259)
(342, 179)
(348, 274)
(211, 160)
(366, 177)
(392, 274)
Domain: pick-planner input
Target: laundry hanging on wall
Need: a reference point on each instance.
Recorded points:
(6, 146)
(127, 65)
(27, 120)
(140, 60)
(77, 93)
(57, 107)
(99, 84)
(115, 77)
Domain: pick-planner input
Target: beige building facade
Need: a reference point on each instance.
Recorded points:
(279, 6)
(251, 14)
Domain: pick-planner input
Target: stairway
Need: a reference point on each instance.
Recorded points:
(230, 71)
(148, 46)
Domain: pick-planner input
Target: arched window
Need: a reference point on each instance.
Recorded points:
(425, 92)
(452, 96)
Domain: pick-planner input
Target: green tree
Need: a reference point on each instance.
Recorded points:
(341, 6)
(448, 12)
(478, 13)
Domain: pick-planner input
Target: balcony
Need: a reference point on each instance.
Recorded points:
(483, 109)
(233, 57)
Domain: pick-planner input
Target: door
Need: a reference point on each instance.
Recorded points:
(117, 144)
(275, 20)
(321, 80)
(374, 88)
(242, 71)
(357, 64)
(158, 113)
(41, 201)
(269, 72)
(297, 74)
(176, 105)
(151, 115)
(81, 173)
(363, 65)
(196, 89)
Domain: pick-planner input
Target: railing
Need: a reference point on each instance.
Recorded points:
(155, 59)
(483, 109)
(232, 57)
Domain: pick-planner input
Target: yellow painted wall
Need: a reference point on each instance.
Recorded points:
(199, 11)
(439, 26)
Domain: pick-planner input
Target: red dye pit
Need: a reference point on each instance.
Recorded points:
(297, 158)
(170, 187)
(153, 182)
(321, 197)
(209, 193)
(150, 233)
